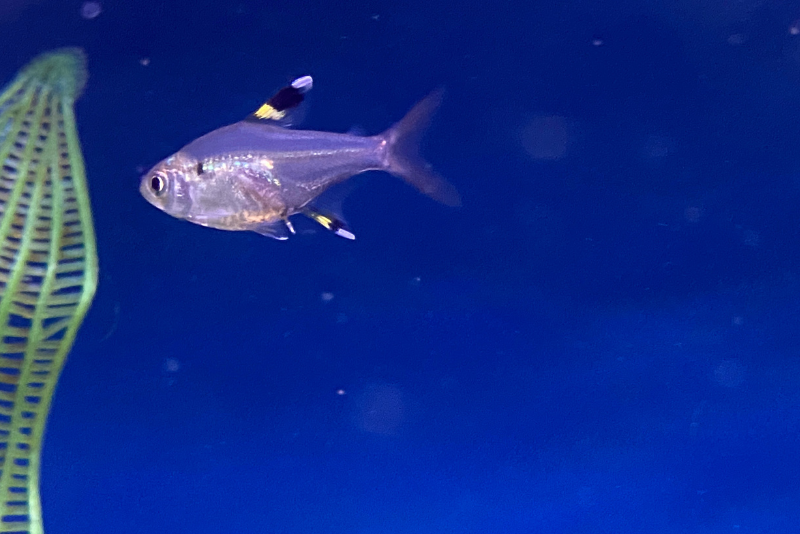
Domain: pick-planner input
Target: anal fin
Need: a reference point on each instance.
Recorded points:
(331, 222)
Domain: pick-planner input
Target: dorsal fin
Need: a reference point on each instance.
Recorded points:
(279, 107)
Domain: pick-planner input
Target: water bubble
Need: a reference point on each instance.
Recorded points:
(172, 365)
(90, 10)
(693, 214)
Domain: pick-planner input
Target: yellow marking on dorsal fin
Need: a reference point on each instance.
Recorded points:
(267, 111)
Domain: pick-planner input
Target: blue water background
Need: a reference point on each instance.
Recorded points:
(603, 339)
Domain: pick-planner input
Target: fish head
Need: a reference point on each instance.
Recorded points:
(167, 185)
(180, 186)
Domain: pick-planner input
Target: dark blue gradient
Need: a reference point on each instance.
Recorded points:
(604, 339)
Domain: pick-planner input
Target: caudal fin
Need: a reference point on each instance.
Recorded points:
(403, 158)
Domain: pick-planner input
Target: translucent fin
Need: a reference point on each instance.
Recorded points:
(330, 222)
(283, 106)
(48, 265)
(402, 152)
(276, 230)
(358, 130)
(326, 209)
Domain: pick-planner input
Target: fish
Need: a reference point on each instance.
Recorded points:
(255, 174)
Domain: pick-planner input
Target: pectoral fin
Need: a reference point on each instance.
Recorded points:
(276, 230)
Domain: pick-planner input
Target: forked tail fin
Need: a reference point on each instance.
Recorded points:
(403, 158)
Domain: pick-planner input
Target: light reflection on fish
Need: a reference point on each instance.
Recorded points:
(256, 173)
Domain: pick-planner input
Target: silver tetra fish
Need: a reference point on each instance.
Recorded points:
(256, 173)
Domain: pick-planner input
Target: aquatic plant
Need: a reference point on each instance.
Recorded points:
(48, 265)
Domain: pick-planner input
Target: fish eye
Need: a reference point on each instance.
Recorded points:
(158, 184)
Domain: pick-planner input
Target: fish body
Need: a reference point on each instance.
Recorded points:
(256, 174)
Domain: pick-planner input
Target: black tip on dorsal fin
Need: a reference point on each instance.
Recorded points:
(288, 98)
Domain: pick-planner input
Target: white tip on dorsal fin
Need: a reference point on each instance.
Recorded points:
(303, 84)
